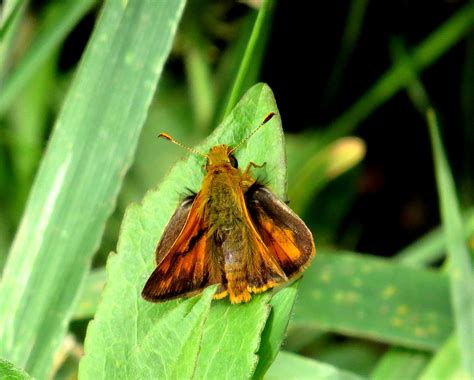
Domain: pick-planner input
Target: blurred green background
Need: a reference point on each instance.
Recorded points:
(353, 81)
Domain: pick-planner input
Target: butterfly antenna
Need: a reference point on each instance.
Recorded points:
(265, 121)
(169, 138)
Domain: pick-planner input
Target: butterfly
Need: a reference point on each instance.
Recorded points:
(234, 233)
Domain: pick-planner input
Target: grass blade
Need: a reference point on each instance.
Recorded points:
(395, 79)
(250, 54)
(90, 295)
(446, 364)
(400, 363)
(432, 246)
(11, 12)
(79, 178)
(63, 18)
(460, 264)
(350, 36)
(292, 366)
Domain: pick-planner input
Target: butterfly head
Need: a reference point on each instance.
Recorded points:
(221, 155)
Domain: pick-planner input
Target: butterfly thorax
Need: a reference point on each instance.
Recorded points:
(221, 188)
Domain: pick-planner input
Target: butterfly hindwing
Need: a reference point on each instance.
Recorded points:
(285, 235)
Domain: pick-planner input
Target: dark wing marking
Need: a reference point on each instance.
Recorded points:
(283, 232)
(173, 228)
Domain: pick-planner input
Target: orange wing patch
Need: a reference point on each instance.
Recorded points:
(285, 235)
(187, 267)
(281, 243)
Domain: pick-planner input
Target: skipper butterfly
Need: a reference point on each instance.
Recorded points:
(234, 232)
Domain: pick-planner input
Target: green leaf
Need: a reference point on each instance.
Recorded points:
(460, 264)
(275, 329)
(292, 366)
(88, 154)
(374, 298)
(230, 335)
(231, 338)
(9, 372)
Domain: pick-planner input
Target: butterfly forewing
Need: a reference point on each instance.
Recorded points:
(184, 265)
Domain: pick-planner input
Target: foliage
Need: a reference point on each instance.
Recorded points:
(64, 207)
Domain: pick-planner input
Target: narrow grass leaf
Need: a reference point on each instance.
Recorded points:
(230, 334)
(9, 372)
(368, 297)
(252, 58)
(446, 364)
(460, 264)
(9, 12)
(400, 363)
(351, 34)
(88, 154)
(395, 78)
(91, 295)
(291, 366)
(432, 246)
(62, 18)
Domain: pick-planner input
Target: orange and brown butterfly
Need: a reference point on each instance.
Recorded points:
(234, 232)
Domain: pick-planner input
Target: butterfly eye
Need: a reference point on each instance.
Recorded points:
(233, 161)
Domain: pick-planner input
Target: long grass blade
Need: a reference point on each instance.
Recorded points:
(460, 263)
(88, 155)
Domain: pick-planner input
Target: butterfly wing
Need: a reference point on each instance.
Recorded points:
(174, 228)
(184, 265)
(285, 235)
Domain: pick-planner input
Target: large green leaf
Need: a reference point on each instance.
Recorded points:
(88, 154)
(9, 372)
(374, 298)
(230, 334)
(275, 329)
